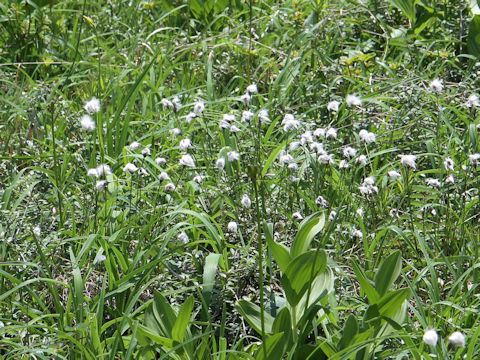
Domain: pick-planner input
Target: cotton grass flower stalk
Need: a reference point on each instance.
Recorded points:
(263, 116)
(87, 123)
(101, 185)
(177, 104)
(103, 170)
(185, 144)
(163, 176)
(252, 89)
(160, 161)
(353, 100)
(247, 115)
(473, 101)
(435, 183)
(92, 106)
(474, 159)
(37, 231)
(430, 337)
(130, 168)
(167, 103)
(331, 133)
(135, 146)
(349, 152)
(146, 152)
(187, 160)
(409, 161)
(457, 339)
(233, 156)
(246, 202)
(367, 136)
(199, 107)
(333, 106)
(289, 122)
(170, 187)
(436, 85)
(245, 99)
(232, 227)
(362, 160)
(449, 164)
(394, 175)
(92, 172)
(220, 163)
(297, 216)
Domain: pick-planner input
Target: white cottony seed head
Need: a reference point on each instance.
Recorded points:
(430, 337)
(457, 339)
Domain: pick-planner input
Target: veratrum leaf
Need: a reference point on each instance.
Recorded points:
(473, 41)
(180, 327)
(280, 252)
(209, 272)
(388, 273)
(251, 313)
(301, 272)
(275, 348)
(309, 227)
(406, 6)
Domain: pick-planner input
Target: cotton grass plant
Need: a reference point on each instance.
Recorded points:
(159, 175)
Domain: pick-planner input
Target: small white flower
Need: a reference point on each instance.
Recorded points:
(167, 103)
(436, 85)
(176, 132)
(246, 98)
(331, 133)
(332, 215)
(101, 185)
(285, 158)
(333, 105)
(297, 215)
(318, 148)
(185, 144)
(362, 160)
(368, 137)
(232, 227)
(450, 179)
(233, 156)
(457, 339)
(263, 116)
(394, 175)
(163, 176)
(357, 234)
(146, 152)
(369, 181)
(360, 212)
(37, 231)
(473, 101)
(326, 159)
(199, 107)
(190, 116)
(234, 129)
(177, 104)
(368, 188)
(430, 337)
(449, 164)
(92, 106)
(100, 258)
(87, 123)
(294, 145)
(135, 146)
(247, 115)
(143, 172)
(160, 161)
(246, 202)
(343, 164)
(320, 132)
(170, 187)
(349, 152)
(320, 201)
(103, 170)
(220, 163)
(474, 159)
(92, 172)
(306, 137)
(252, 89)
(187, 160)
(183, 237)
(433, 182)
(353, 100)
(198, 179)
(130, 168)
(292, 166)
(409, 161)
(289, 123)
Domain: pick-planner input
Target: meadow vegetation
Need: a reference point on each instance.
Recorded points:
(239, 179)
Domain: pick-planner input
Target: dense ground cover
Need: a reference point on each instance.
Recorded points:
(239, 180)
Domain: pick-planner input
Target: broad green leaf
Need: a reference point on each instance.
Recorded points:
(164, 315)
(392, 302)
(473, 40)
(350, 329)
(283, 322)
(183, 318)
(280, 252)
(274, 348)
(301, 272)
(209, 272)
(251, 313)
(388, 273)
(149, 333)
(406, 6)
(309, 227)
(365, 285)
